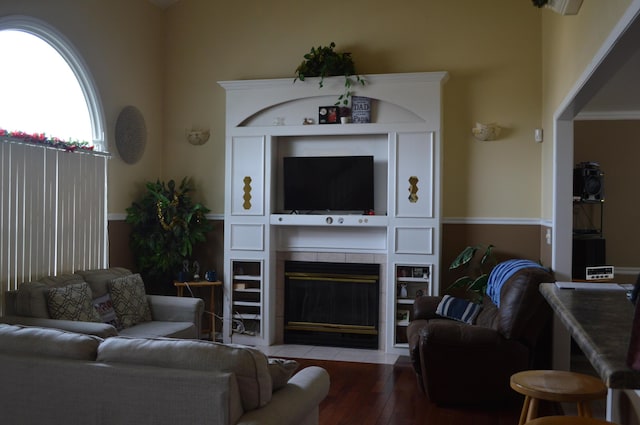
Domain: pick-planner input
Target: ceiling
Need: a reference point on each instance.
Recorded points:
(620, 95)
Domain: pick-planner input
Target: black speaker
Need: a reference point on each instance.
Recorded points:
(587, 252)
(588, 182)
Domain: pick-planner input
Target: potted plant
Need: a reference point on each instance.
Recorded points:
(476, 261)
(166, 224)
(323, 61)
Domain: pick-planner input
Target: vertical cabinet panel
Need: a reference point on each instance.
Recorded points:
(414, 175)
(247, 175)
(414, 240)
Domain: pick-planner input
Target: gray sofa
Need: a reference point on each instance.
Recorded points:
(50, 376)
(168, 316)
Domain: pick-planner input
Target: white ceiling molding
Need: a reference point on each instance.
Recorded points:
(608, 115)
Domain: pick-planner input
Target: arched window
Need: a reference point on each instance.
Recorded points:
(52, 196)
(45, 86)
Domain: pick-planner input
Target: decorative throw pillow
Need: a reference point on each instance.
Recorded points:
(130, 300)
(458, 309)
(104, 307)
(72, 302)
(281, 370)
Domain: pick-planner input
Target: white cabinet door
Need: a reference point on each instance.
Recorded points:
(414, 175)
(247, 175)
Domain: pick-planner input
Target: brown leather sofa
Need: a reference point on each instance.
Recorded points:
(464, 364)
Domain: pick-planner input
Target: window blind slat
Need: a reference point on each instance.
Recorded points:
(52, 213)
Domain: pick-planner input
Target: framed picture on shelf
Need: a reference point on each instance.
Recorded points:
(418, 272)
(402, 316)
(328, 115)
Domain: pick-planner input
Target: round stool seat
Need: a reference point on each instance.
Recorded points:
(557, 386)
(567, 420)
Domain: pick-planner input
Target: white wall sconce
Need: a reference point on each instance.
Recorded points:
(486, 132)
(197, 137)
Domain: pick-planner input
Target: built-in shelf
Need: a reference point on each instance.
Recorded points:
(410, 281)
(247, 298)
(408, 301)
(404, 139)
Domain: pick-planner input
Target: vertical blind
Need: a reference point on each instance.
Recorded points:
(52, 212)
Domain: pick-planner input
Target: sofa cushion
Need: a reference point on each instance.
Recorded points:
(47, 342)
(61, 280)
(98, 279)
(130, 300)
(31, 300)
(501, 273)
(249, 365)
(164, 329)
(458, 309)
(522, 304)
(72, 302)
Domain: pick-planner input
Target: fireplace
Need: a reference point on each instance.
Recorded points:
(332, 304)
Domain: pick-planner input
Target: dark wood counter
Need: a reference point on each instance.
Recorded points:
(600, 323)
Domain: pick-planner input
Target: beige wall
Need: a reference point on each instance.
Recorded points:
(569, 44)
(167, 63)
(491, 49)
(121, 42)
(509, 62)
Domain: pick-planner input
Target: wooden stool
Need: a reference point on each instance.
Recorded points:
(567, 420)
(558, 386)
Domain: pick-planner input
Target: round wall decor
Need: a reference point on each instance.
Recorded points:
(131, 134)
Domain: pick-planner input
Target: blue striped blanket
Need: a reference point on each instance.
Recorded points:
(501, 273)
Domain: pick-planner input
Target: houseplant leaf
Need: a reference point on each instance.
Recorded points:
(166, 224)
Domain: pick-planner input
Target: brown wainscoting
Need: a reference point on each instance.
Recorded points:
(209, 254)
(510, 241)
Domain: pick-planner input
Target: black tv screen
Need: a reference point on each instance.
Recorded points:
(335, 183)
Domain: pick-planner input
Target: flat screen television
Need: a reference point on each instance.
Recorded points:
(328, 183)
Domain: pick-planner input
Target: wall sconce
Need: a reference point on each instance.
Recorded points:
(486, 132)
(197, 137)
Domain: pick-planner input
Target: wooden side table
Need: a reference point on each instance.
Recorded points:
(211, 330)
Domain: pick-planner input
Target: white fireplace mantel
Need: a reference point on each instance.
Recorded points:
(404, 138)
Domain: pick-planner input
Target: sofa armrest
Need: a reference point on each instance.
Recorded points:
(168, 308)
(424, 308)
(102, 330)
(295, 403)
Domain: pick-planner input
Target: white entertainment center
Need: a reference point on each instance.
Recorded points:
(264, 124)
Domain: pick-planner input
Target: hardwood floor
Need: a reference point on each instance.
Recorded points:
(382, 394)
